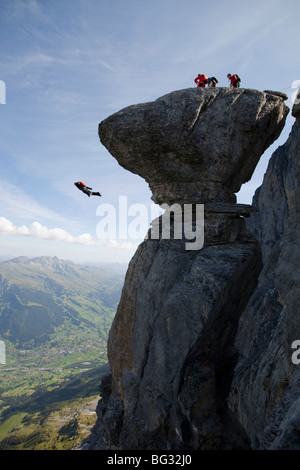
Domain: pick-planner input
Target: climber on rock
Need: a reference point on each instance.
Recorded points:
(234, 80)
(212, 82)
(85, 189)
(201, 80)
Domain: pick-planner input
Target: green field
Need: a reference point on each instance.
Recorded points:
(59, 418)
(54, 320)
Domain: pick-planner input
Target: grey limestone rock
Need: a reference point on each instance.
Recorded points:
(172, 347)
(195, 145)
(265, 374)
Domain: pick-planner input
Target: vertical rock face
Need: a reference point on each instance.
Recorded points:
(171, 346)
(265, 374)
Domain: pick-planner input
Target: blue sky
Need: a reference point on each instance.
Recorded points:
(68, 64)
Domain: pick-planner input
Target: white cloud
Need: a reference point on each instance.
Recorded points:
(7, 228)
(40, 231)
(117, 245)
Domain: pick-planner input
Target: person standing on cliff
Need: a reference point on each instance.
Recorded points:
(234, 80)
(201, 80)
(85, 189)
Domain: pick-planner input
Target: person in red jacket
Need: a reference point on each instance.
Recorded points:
(234, 80)
(85, 189)
(201, 80)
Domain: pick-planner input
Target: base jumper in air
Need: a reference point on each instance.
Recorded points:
(85, 189)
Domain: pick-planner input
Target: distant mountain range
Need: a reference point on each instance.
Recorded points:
(55, 316)
(39, 295)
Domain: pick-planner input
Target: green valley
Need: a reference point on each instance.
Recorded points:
(55, 316)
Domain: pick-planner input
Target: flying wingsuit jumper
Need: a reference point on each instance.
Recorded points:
(86, 189)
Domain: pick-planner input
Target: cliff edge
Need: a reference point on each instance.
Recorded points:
(172, 346)
(266, 374)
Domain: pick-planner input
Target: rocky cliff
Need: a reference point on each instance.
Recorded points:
(184, 324)
(265, 374)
